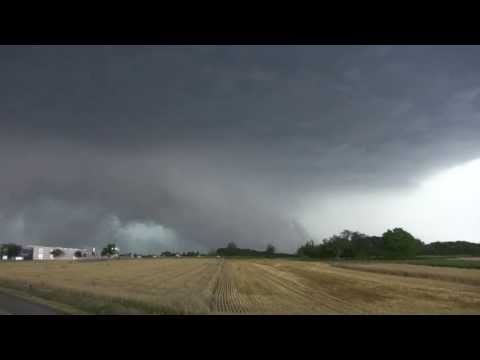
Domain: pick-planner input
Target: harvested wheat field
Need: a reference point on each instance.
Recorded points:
(235, 286)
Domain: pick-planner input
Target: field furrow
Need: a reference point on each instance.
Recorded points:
(253, 286)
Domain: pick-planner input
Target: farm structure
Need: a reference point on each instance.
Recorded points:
(37, 252)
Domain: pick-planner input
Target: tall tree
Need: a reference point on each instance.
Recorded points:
(109, 250)
(339, 244)
(270, 250)
(10, 250)
(231, 245)
(57, 252)
(400, 243)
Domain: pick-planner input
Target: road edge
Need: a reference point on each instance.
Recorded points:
(63, 309)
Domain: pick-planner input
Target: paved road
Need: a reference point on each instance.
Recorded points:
(12, 305)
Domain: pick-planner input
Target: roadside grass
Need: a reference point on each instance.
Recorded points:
(62, 309)
(73, 302)
(446, 262)
(453, 261)
(426, 260)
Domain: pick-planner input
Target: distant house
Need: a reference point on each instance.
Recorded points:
(48, 252)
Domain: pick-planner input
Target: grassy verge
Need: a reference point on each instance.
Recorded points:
(447, 262)
(63, 309)
(441, 261)
(444, 261)
(76, 302)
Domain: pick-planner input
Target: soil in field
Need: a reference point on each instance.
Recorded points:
(236, 286)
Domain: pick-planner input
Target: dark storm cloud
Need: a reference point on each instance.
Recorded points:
(219, 143)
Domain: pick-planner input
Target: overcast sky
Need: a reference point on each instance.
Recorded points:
(190, 147)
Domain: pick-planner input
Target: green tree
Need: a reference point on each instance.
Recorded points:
(10, 250)
(398, 243)
(338, 245)
(57, 252)
(451, 248)
(346, 235)
(230, 250)
(361, 245)
(307, 250)
(232, 246)
(270, 250)
(109, 250)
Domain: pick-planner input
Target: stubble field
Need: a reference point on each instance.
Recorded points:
(254, 286)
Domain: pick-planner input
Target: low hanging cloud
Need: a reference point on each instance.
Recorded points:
(51, 222)
(153, 201)
(146, 237)
(191, 146)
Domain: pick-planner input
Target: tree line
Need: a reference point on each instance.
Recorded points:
(396, 243)
(233, 250)
(451, 248)
(393, 244)
(10, 250)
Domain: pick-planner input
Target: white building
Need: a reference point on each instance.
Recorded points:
(47, 252)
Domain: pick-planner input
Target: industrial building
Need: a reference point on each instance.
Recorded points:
(40, 252)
